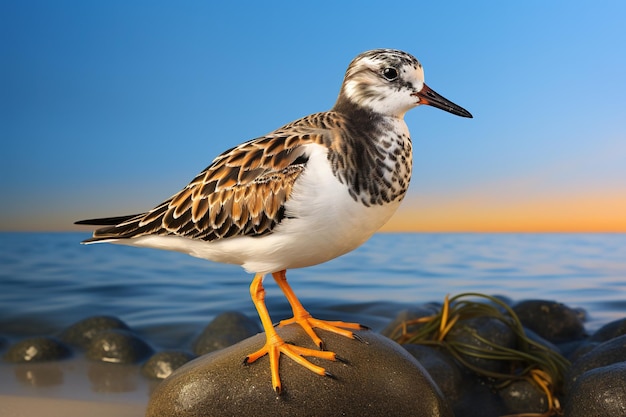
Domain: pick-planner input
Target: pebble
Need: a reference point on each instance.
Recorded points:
(80, 334)
(441, 367)
(37, 349)
(471, 331)
(162, 364)
(406, 315)
(551, 320)
(523, 396)
(117, 346)
(225, 330)
(609, 331)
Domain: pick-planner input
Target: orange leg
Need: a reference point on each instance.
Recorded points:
(275, 345)
(304, 319)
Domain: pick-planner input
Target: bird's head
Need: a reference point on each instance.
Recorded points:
(390, 82)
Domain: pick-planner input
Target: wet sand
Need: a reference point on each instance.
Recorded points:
(15, 406)
(73, 388)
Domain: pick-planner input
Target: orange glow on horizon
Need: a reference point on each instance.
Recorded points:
(602, 212)
(590, 214)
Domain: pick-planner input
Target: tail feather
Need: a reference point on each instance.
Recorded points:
(106, 221)
(109, 230)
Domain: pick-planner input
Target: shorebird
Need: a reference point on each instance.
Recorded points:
(301, 195)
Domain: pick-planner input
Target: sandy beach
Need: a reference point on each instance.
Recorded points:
(72, 388)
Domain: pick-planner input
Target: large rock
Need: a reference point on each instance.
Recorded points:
(600, 392)
(381, 378)
(607, 353)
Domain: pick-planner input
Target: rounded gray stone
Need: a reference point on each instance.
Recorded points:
(225, 330)
(381, 378)
(162, 364)
(441, 367)
(607, 353)
(523, 397)
(37, 349)
(609, 331)
(117, 346)
(392, 330)
(600, 392)
(81, 333)
(553, 321)
(471, 331)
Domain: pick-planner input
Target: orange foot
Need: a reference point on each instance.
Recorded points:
(304, 319)
(275, 345)
(308, 323)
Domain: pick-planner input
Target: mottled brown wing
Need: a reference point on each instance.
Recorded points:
(243, 192)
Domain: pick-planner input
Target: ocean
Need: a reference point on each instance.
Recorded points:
(49, 281)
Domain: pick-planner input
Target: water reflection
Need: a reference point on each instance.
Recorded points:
(39, 374)
(113, 378)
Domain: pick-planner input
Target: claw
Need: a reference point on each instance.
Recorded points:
(359, 338)
(342, 360)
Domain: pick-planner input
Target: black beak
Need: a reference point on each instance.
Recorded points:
(432, 98)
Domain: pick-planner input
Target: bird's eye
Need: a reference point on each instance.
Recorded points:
(390, 74)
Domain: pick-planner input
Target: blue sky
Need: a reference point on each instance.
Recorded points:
(107, 108)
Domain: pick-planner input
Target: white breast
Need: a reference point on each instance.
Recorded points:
(322, 222)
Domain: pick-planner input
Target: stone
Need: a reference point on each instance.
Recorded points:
(470, 331)
(478, 400)
(582, 349)
(571, 350)
(392, 330)
(37, 349)
(523, 397)
(441, 367)
(381, 378)
(609, 331)
(531, 335)
(600, 392)
(553, 321)
(162, 364)
(225, 330)
(81, 333)
(117, 346)
(607, 353)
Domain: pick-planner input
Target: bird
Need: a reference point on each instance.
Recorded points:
(301, 195)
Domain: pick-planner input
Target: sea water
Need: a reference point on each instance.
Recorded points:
(49, 281)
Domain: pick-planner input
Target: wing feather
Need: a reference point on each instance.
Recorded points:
(243, 192)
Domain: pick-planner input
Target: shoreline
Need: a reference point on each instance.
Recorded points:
(16, 406)
(73, 387)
